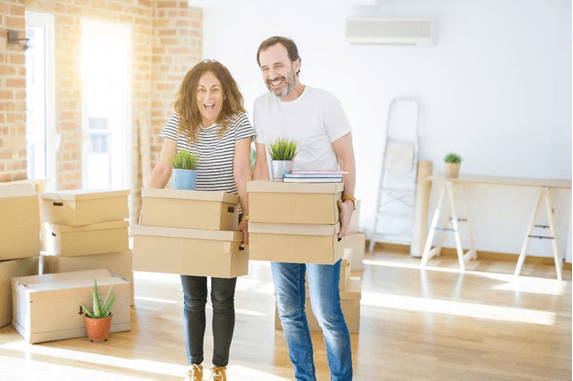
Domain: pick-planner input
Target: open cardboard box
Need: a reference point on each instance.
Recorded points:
(47, 307)
(349, 302)
(295, 243)
(19, 221)
(9, 270)
(189, 252)
(84, 207)
(100, 238)
(294, 203)
(177, 208)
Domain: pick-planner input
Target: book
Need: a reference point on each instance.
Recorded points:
(320, 176)
(312, 179)
(317, 172)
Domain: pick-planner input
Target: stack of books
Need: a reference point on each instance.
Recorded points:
(313, 176)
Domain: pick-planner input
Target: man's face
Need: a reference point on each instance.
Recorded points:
(278, 70)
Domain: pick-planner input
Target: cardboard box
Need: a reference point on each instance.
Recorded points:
(84, 207)
(9, 270)
(100, 238)
(349, 302)
(294, 203)
(119, 263)
(189, 252)
(176, 208)
(356, 242)
(295, 243)
(345, 269)
(354, 226)
(19, 221)
(47, 307)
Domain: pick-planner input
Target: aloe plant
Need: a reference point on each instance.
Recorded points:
(283, 149)
(100, 310)
(453, 158)
(185, 160)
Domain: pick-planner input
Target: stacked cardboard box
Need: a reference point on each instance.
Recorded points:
(87, 230)
(356, 240)
(189, 233)
(294, 222)
(19, 239)
(47, 307)
(349, 301)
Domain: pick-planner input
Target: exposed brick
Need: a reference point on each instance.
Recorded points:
(16, 82)
(6, 94)
(17, 10)
(15, 22)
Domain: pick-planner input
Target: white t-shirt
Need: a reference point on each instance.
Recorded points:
(314, 120)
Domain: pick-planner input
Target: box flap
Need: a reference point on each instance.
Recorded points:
(89, 275)
(190, 195)
(8, 190)
(267, 186)
(298, 229)
(213, 235)
(82, 228)
(83, 194)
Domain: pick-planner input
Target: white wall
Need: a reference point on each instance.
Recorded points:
(496, 88)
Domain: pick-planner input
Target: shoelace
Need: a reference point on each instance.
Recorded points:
(195, 370)
(216, 374)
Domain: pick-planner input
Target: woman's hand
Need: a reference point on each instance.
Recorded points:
(244, 227)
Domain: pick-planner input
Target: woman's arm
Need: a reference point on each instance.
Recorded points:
(162, 171)
(242, 174)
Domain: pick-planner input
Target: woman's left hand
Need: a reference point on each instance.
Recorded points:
(244, 227)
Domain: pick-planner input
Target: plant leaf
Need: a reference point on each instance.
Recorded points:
(87, 311)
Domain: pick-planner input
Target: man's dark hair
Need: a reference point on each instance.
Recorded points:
(286, 42)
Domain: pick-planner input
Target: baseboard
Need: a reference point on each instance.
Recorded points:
(487, 255)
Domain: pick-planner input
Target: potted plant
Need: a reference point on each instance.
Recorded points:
(185, 170)
(452, 165)
(98, 321)
(282, 153)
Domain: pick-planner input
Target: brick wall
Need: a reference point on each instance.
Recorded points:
(166, 40)
(12, 94)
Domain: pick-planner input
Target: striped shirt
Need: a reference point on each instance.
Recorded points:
(215, 170)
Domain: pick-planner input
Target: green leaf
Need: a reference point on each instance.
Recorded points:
(107, 307)
(453, 158)
(283, 149)
(87, 311)
(185, 160)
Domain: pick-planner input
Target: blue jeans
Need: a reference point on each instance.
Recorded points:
(325, 301)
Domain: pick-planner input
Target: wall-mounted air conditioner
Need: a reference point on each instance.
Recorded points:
(390, 31)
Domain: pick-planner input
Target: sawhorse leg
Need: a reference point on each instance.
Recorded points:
(546, 195)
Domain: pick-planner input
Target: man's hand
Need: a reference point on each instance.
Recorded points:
(244, 227)
(346, 209)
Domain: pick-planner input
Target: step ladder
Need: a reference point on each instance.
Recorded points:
(398, 166)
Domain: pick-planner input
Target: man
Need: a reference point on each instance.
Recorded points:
(314, 118)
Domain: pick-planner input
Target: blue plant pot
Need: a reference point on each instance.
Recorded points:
(184, 179)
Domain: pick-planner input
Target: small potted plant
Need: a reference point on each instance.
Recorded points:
(282, 153)
(98, 321)
(452, 165)
(185, 170)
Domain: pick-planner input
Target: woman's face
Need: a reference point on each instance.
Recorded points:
(209, 98)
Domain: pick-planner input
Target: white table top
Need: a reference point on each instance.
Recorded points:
(499, 180)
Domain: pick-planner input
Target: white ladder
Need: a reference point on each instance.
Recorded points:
(400, 158)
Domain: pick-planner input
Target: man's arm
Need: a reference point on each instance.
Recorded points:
(261, 170)
(345, 154)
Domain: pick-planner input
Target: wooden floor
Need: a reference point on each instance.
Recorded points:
(435, 324)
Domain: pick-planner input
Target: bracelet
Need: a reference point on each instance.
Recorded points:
(244, 218)
(351, 198)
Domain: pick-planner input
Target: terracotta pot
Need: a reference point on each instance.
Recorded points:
(98, 329)
(452, 170)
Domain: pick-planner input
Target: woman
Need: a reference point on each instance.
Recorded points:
(210, 121)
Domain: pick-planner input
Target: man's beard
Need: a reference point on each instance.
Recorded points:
(290, 82)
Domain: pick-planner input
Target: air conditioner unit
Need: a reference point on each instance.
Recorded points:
(390, 31)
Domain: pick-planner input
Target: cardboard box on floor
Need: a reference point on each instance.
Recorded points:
(100, 238)
(294, 203)
(119, 263)
(176, 208)
(349, 302)
(19, 221)
(295, 243)
(9, 270)
(189, 252)
(356, 242)
(345, 269)
(84, 207)
(47, 307)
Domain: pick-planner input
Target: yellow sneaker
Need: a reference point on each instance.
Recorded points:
(195, 373)
(218, 373)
